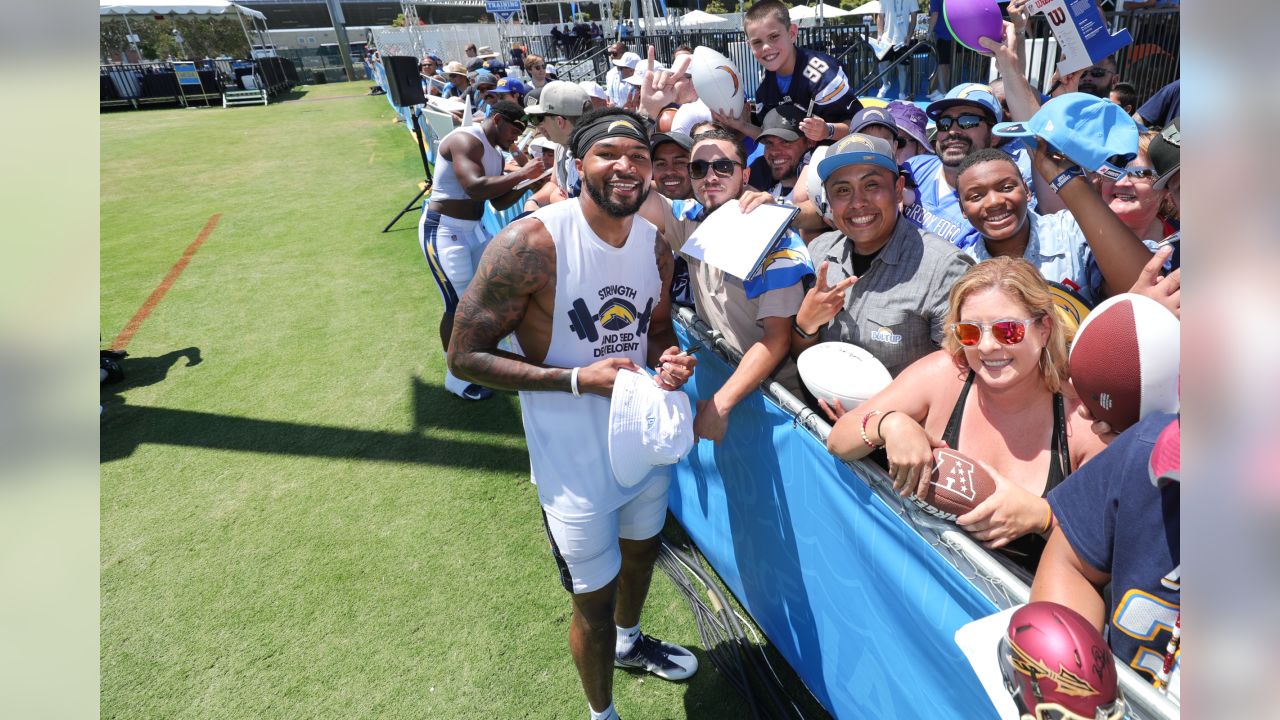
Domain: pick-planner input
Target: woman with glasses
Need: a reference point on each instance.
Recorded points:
(536, 68)
(995, 392)
(1134, 198)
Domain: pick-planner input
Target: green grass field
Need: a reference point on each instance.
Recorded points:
(297, 520)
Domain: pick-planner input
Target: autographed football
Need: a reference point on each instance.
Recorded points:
(1125, 358)
(841, 371)
(956, 486)
(717, 80)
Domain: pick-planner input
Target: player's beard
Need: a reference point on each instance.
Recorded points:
(612, 208)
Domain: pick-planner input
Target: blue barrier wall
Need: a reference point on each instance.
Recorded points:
(859, 604)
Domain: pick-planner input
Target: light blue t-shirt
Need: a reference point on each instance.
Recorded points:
(936, 205)
(1058, 249)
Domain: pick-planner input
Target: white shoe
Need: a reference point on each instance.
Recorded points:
(935, 96)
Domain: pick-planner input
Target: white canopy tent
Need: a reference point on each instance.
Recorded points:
(698, 18)
(125, 8)
(806, 14)
(871, 8)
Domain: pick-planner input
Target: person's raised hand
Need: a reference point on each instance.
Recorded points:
(1164, 289)
(815, 128)
(1003, 51)
(1007, 515)
(823, 302)
(674, 368)
(736, 121)
(660, 88)
(598, 377)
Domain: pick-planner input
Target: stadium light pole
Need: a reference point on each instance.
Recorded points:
(340, 29)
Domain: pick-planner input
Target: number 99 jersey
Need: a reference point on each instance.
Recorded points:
(818, 77)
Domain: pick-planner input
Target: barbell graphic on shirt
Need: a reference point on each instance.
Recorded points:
(615, 314)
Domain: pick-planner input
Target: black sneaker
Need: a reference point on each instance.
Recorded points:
(667, 661)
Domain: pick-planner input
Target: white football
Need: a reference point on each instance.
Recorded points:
(842, 371)
(717, 80)
(818, 193)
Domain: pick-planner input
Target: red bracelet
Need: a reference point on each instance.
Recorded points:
(866, 439)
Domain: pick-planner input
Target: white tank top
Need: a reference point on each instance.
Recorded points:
(605, 297)
(445, 184)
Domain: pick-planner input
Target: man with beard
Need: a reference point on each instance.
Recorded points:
(468, 171)
(543, 268)
(1098, 79)
(777, 171)
(964, 119)
(753, 315)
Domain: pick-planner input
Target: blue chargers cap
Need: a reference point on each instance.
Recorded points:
(857, 149)
(1093, 132)
(974, 95)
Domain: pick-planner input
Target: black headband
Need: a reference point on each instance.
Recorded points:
(607, 126)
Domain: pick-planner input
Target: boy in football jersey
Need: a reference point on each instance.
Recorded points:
(812, 81)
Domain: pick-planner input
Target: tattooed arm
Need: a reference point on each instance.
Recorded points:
(519, 262)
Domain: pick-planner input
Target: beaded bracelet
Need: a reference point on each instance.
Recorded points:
(866, 439)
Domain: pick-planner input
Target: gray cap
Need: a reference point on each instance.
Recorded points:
(1164, 152)
(784, 122)
(561, 97)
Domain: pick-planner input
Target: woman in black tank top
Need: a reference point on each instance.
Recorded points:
(992, 393)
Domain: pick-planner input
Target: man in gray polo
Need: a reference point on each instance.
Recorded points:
(882, 283)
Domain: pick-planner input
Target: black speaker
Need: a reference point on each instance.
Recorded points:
(403, 80)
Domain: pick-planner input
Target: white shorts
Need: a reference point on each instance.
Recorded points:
(452, 248)
(586, 551)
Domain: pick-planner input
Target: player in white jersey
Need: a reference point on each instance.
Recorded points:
(468, 171)
(583, 285)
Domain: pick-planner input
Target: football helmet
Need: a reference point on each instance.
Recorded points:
(1057, 666)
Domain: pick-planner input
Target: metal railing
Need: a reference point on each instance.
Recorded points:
(135, 85)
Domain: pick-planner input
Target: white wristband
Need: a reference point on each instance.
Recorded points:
(573, 382)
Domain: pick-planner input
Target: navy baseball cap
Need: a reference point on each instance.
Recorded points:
(873, 116)
(508, 85)
(784, 122)
(857, 149)
(974, 95)
(1092, 132)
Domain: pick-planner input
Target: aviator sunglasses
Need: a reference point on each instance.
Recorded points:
(722, 167)
(1006, 332)
(966, 122)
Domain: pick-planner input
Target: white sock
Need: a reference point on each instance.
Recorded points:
(453, 383)
(627, 638)
(607, 714)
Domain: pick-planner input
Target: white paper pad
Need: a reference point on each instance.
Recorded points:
(449, 105)
(734, 242)
(978, 641)
(526, 183)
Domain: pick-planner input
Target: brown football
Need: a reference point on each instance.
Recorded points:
(956, 486)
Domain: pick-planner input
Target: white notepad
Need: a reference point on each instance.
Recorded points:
(737, 243)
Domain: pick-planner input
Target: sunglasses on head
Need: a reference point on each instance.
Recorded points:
(1006, 332)
(966, 122)
(722, 167)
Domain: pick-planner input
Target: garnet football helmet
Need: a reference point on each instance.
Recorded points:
(1057, 666)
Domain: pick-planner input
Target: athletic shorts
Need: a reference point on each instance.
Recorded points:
(945, 49)
(452, 248)
(586, 551)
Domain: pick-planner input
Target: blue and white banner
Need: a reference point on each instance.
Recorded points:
(860, 605)
(502, 6)
(1083, 37)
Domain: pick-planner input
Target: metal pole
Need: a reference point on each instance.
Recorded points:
(340, 29)
(129, 30)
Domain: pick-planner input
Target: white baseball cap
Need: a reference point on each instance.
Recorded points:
(593, 89)
(545, 143)
(642, 69)
(628, 59)
(648, 427)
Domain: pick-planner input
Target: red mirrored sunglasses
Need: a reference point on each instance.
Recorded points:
(1006, 332)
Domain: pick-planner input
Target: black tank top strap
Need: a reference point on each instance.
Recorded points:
(1059, 453)
(951, 436)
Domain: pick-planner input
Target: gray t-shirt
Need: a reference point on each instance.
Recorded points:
(896, 309)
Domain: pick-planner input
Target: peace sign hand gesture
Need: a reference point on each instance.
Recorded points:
(661, 88)
(823, 301)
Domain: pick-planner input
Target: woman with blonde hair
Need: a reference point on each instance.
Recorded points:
(994, 393)
(1134, 198)
(536, 68)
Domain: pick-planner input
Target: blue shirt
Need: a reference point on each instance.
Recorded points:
(936, 205)
(1058, 249)
(1120, 523)
(940, 30)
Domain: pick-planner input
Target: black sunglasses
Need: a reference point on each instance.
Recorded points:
(966, 122)
(722, 167)
(1098, 73)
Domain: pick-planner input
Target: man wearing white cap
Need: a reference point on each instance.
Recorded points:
(583, 286)
(615, 83)
(599, 98)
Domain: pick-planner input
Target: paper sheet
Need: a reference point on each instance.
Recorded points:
(978, 641)
(526, 183)
(734, 242)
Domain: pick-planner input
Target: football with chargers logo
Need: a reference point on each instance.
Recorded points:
(956, 485)
(717, 80)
